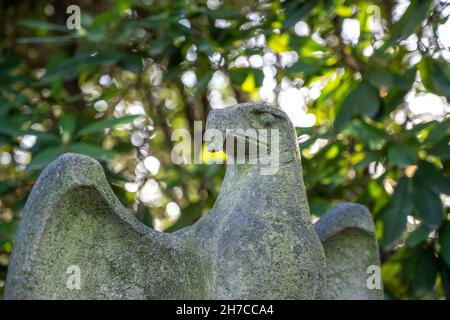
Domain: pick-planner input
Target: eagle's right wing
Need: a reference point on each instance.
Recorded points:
(77, 241)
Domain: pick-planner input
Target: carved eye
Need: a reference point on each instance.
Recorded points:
(268, 116)
(267, 119)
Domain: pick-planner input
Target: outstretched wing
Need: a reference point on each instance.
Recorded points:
(348, 235)
(76, 241)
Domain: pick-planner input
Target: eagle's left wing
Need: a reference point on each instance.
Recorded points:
(348, 236)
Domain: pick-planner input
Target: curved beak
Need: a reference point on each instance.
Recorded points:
(218, 120)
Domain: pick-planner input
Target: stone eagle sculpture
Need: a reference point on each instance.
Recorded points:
(257, 242)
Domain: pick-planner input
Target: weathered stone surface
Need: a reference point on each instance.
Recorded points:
(72, 217)
(257, 242)
(348, 236)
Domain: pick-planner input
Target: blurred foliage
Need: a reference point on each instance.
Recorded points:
(137, 70)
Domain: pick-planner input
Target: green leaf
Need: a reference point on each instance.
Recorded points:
(4, 186)
(221, 14)
(363, 99)
(100, 125)
(7, 231)
(205, 46)
(67, 69)
(239, 75)
(344, 11)
(50, 40)
(394, 219)
(307, 66)
(405, 80)
(92, 151)
(362, 130)
(420, 128)
(440, 76)
(172, 73)
(445, 276)
(297, 10)
(441, 149)
(103, 19)
(369, 102)
(425, 273)
(344, 115)
(9, 62)
(43, 25)
(5, 106)
(370, 157)
(202, 84)
(378, 76)
(259, 77)
(435, 76)
(439, 131)
(403, 154)
(412, 18)
(11, 131)
(132, 63)
(419, 235)
(41, 159)
(434, 178)
(68, 124)
(428, 204)
(444, 241)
